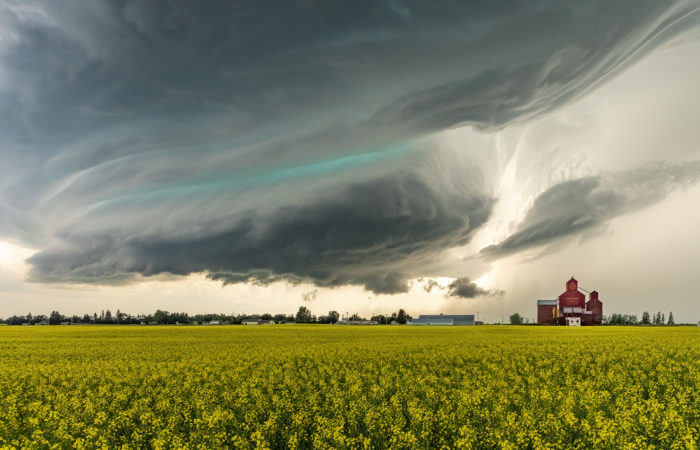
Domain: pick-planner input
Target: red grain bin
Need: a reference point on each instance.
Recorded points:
(571, 308)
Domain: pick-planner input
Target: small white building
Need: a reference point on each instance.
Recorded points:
(250, 322)
(573, 321)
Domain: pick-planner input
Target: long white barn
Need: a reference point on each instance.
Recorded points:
(444, 319)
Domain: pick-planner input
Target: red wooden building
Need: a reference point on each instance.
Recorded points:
(571, 308)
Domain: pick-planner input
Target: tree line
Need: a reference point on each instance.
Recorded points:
(617, 319)
(630, 319)
(304, 315)
(161, 317)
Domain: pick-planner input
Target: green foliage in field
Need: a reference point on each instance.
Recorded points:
(352, 387)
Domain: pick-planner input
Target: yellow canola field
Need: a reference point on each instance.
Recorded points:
(303, 386)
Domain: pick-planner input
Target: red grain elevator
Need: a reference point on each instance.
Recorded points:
(571, 308)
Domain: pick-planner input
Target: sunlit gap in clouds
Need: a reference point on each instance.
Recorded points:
(13, 259)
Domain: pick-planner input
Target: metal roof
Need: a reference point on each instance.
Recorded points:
(432, 321)
(546, 302)
(443, 319)
(447, 316)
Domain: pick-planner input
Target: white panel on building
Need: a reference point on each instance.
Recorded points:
(573, 321)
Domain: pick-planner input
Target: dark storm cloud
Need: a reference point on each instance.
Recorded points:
(69, 68)
(364, 234)
(585, 205)
(241, 139)
(466, 288)
(428, 284)
(309, 296)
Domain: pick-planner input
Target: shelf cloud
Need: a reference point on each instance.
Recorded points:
(259, 142)
(342, 237)
(466, 288)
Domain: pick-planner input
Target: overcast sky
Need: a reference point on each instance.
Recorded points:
(357, 156)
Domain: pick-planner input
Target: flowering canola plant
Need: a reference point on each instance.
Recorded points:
(304, 386)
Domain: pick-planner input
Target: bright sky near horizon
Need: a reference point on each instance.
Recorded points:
(433, 156)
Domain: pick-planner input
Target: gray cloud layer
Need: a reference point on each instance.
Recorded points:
(263, 141)
(341, 239)
(466, 288)
(586, 205)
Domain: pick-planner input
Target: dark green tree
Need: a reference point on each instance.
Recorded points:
(333, 316)
(161, 316)
(516, 319)
(670, 319)
(280, 318)
(645, 318)
(40, 319)
(55, 318)
(381, 319)
(401, 317)
(303, 315)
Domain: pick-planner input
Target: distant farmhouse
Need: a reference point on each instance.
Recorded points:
(250, 322)
(444, 319)
(571, 308)
(257, 322)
